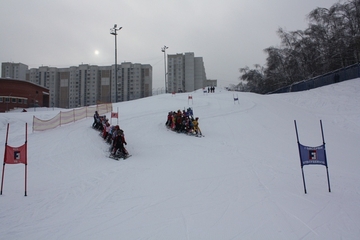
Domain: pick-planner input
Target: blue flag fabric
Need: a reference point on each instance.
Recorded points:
(312, 155)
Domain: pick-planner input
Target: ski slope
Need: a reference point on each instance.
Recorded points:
(241, 181)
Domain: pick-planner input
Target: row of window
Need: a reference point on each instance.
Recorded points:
(13, 100)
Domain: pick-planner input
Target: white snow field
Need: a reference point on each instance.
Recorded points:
(241, 181)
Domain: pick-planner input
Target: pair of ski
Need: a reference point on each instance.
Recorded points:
(196, 135)
(199, 134)
(118, 157)
(188, 133)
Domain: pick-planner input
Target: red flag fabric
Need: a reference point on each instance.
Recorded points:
(114, 115)
(15, 155)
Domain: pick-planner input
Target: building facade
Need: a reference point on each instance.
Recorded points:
(85, 84)
(186, 73)
(14, 70)
(16, 93)
(211, 82)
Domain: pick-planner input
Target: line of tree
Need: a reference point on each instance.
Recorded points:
(331, 41)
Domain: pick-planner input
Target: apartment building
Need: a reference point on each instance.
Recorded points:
(186, 73)
(14, 70)
(85, 84)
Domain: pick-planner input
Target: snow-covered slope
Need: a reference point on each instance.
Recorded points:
(241, 181)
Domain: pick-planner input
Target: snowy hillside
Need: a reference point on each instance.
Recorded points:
(241, 181)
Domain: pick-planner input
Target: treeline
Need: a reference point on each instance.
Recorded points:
(331, 41)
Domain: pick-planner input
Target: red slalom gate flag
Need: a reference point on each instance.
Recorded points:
(15, 155)
(114, 115)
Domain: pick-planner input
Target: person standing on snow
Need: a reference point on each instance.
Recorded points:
(196, 126)
(96, 119)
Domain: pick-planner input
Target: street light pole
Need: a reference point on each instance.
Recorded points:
(113, 31)
(163, 49)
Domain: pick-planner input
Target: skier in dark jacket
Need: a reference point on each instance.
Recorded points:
(178, 121)
(119, 142)
(169, 119)
(96, 119)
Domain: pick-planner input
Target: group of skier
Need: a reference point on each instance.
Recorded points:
(113, 135)
(183, 122)
(179, 121)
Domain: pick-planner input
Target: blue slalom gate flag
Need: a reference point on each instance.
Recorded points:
(312, 155)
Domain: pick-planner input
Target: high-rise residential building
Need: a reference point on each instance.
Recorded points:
(13, 70)
(186, 73)
(85, 84)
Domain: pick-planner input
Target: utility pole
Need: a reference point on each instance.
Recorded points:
(163, 49)
(113, 31)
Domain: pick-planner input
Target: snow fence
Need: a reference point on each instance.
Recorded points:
(67, 117)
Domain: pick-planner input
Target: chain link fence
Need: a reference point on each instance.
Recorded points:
(339, 75)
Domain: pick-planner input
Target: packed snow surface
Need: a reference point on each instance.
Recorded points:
(243, 180)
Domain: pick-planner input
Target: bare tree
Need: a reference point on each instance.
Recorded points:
(331, 41)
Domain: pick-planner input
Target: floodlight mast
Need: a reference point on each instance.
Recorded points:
(113, 31)
(163, 49)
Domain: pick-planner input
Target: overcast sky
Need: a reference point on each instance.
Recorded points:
(228, 34)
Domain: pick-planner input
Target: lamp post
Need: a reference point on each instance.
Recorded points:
(113, 31)
(163, 49)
